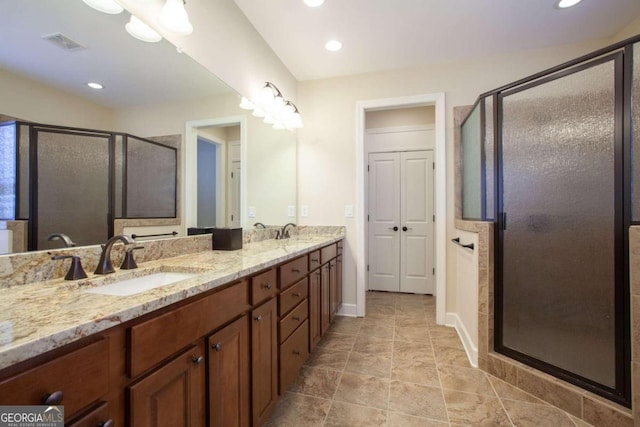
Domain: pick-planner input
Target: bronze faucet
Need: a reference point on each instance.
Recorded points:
(104, 265)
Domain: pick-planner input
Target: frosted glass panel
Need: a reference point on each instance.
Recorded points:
(119, 175)
(489, 160)
(73, 187)
(8, 171)
(151, 180)
(472, 166)
(635, 143)
(558, 246)
(23, 171)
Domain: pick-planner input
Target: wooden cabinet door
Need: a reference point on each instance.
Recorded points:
(229, 376)
(264, 360)
(173, 395)
(333, 289)
(339, 281)
(314, 309)
(325, 309)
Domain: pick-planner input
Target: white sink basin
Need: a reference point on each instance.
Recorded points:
(136, 285)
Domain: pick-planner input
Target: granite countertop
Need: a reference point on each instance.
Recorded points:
(40, 317)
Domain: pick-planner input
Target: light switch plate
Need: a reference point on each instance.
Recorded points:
(291, 211)
(304, 210)
(348, 211)
(252, 211)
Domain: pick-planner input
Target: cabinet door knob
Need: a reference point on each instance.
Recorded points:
(108, 423)
(54, 398)
(198, 360)
(216, 347)
(296, 352)
(258, 318)
(295, 270)
(296, 294)
(266, 285)
(297, 319)
(315, 260)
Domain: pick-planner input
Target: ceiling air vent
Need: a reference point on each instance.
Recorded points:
(63, 42)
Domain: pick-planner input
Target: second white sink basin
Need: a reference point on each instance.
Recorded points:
(136, 285)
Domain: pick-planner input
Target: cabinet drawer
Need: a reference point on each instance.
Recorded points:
(98, 416)
(293, 271)
(156, 339)
(314, 260)
(293, 353)
(291, 321)
(81, 376)
(263, 286)
(292, 296)
(328, 252)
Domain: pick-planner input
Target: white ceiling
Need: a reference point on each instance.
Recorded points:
(133, 72)
(387, 34)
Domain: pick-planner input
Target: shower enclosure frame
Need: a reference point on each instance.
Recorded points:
(622, 54)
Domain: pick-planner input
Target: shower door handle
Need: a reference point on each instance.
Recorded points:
(503, 221)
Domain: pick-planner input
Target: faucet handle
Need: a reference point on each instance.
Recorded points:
(76, 272)
(129, 263)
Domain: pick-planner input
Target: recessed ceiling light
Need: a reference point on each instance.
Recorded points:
(313, 3)
(333, 45)
(563, 4)
(94, 85)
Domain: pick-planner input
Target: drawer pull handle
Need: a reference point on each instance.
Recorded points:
(216, 347)
(296, 352)
(266, 285)
(297, 319)
(296, 294)
(315, 260)
(108, 423)
(258, 318)
(295, 270)
(198, 360)
(53, 399)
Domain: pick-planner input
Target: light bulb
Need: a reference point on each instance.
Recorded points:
(175, 19)
(138, 29)
(333, 45)
(245, 104)
(563, 4)
(105, 6)
(257, 112)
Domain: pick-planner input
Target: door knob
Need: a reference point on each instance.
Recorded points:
(406, 228)
(197, 360)
(53, 399)
(395, 228)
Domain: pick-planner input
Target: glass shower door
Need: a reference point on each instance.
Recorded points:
(560, 237)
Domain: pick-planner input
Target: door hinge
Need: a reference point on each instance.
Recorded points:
(231, 217)
(434, 272)
(231, 175)
(367, 218)
(434, 218)
(367, 267)
(368, 168)
(434, 165)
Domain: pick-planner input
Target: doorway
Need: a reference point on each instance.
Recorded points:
(437, 100)
(400, 216)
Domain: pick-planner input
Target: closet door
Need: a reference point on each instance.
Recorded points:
(384, 222)
(416, 217)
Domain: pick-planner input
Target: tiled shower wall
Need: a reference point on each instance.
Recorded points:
(590, 407)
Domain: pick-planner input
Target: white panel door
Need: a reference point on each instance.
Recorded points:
(384, 221)
(400, 243)
(416, 212)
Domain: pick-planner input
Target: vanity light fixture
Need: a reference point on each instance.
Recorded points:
(314, 3)
(564, 4)
(276, 110)
(94, 85)
(141, 31)
(174, 17)
(333, 45)
(105, 6)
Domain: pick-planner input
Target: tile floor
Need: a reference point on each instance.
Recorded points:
(396, 367)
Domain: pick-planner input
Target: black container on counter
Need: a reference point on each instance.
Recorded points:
(192, 231)
(227, 239)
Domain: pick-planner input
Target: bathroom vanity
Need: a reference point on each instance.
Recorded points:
(214, 349)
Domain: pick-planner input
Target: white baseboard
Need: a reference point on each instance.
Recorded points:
(348, 310)
(454, 321)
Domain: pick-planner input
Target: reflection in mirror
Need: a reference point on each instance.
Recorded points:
(152, 91)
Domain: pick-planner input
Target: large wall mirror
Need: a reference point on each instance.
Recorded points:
(234, 170)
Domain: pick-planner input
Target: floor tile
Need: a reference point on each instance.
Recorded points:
(475, 409)
(421, 351)
(363, 390)
(507, 391)
(339, 342)
(346, 415)
(470, 380)
(418, 400)
(372, 345)
(294, 410)
(415, 371)
(369, 364)
(411, 333)
(451, 356)
(402, 420)
(525, 414)
(346, 325)
(383, 331)
(316, 382)
(323, 357)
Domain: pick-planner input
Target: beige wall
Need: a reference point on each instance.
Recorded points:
(29, 100)
(327, 145)
(400, 117)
